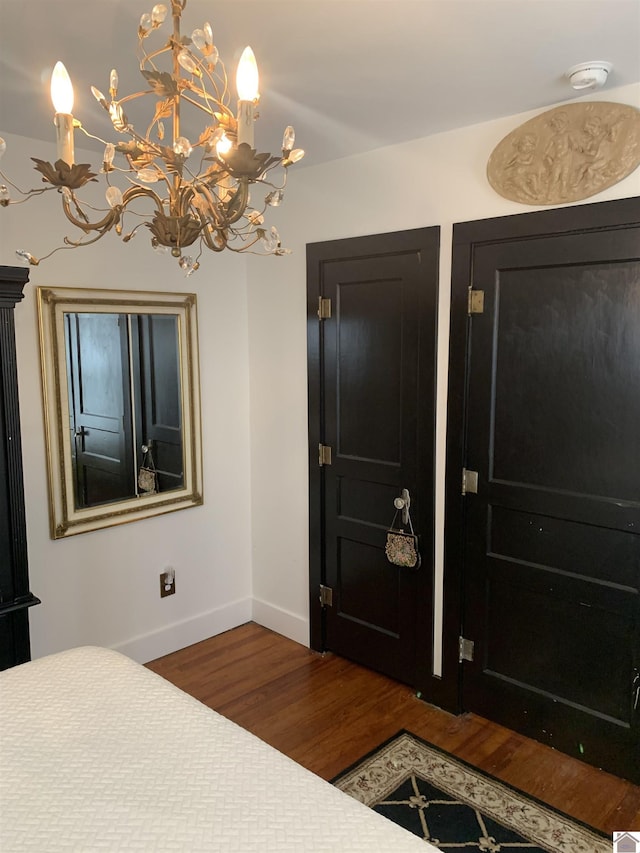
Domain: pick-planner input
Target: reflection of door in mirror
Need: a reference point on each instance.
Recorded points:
(156, 380)
(123, 376)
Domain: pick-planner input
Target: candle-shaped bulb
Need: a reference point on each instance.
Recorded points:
(223, 145)
(61, 90)
(247, 76)
(62, 97)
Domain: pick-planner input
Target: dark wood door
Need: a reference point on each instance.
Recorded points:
(100, 407)
(552, 537)
(157, 396)
(372, 403)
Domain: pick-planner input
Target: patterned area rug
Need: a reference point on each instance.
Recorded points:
(458, 808)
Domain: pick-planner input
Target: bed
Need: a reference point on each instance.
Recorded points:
(97, 753)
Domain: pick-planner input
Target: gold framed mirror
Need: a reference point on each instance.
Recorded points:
(121, 396)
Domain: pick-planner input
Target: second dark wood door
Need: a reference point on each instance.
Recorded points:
(552, 544)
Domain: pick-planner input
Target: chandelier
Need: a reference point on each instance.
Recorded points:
(190, 194)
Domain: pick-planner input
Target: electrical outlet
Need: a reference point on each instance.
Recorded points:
(167, 583)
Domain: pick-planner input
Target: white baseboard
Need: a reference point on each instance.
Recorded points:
(281, 621)
(182, 634)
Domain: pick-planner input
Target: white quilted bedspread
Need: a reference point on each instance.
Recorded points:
(99, 754)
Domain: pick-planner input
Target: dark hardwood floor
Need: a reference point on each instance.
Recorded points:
(326, 712)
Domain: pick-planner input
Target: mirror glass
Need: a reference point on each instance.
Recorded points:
(121, 396)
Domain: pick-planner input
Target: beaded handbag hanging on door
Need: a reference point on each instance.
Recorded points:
(401, 547)
(147, 475)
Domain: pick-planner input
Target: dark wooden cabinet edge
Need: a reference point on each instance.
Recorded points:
(12, 282)
(19, 604)
(14, 623)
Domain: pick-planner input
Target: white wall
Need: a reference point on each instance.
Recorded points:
(103, 587)
(437, 180)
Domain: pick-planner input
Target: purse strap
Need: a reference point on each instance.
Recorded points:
(147, 457)
(401, 529)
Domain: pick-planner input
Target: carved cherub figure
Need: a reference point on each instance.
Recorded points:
(558, 155)
(519, 168)
(595, 161)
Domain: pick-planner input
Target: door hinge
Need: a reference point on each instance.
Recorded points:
(475, 303)
(469, 482)
(324, 308)
(324, 455)
(326, 596)
(465, 649)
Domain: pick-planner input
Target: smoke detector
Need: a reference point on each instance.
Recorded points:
(589, 75)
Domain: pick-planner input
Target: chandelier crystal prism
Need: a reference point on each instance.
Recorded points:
(190, 194)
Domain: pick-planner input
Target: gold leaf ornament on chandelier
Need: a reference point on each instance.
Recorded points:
(196, 193)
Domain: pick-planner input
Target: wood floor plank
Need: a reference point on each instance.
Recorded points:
(326, 712)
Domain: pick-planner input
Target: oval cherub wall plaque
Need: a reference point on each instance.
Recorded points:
(567, 153)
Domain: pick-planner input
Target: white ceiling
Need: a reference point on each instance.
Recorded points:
(350, 75)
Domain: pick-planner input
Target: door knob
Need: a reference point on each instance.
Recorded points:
(403, 503)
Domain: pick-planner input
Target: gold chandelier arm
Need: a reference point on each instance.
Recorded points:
(82, 128)
(149, 57)
(75, 244)
(26, 193)
(238, 203)
(113, 216)
(214, 79)
(104, 225)
(217, 99)
(213, 212)
(136, 191)
(245, 247)
(252, 243)
(145, 144)
(134, 96)
(204, 109)
(208, 239)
